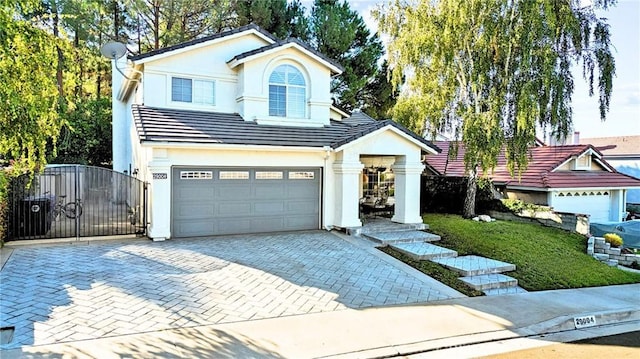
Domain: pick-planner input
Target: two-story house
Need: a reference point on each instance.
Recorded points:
(236, 133)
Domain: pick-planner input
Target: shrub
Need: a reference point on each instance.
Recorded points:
(614, 239)
(519, 206)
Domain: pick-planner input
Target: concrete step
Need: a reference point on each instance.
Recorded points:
(402, 237)
(504, 291)
(385, 225)
(489, 281)
(475, 265)
(423, 251)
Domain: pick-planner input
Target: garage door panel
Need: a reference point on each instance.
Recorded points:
(268, 208)
(301, 222)
(595, 204)
(203, 210)
(268, 224)
(241, 200)
(232, 225)
(269, 191)
(194, 228)
(301, 192)
(226, 191)
(301, 207)
(199, 192)
(235, 209)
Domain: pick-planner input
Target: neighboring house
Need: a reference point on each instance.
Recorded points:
(572, 178)
(623, 153)
(236, 133)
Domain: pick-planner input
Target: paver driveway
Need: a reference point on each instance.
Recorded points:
(62, 293)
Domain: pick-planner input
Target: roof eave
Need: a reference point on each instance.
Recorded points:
(202, 44)
(388, 127)
(228, 146)
(233, 63)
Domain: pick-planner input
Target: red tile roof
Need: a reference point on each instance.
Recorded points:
(540, 172)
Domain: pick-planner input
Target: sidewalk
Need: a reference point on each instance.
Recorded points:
(369, 333)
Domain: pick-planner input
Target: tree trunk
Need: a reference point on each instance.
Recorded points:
(469, 208)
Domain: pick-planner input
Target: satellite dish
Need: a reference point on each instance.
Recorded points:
(113, 50)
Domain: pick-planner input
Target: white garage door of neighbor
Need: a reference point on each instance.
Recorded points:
(594, 203)
(214, 201)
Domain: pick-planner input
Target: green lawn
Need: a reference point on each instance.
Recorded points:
(545, 258)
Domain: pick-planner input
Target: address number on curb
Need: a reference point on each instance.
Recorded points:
(584, 322)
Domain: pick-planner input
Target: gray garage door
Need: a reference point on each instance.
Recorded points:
(214, 201)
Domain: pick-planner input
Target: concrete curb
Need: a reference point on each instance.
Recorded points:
(566, 323)
(561, 325)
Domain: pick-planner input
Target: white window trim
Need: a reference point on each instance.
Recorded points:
(578, 167)
(191, 105)
(287, 86)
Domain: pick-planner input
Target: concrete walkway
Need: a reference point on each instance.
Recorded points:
(62, 293)
(419, 330)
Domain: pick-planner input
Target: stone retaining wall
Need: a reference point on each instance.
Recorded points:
(602, 251)
(573, 222)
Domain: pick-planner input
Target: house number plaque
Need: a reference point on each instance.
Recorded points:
(159, 176)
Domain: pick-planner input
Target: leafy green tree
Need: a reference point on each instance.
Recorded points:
(162, 23)
(494, 69)
(341, 34)
(381, 95)
(86, 136)
(279, 17)
(30, 93)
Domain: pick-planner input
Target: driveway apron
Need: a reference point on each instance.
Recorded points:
(62, 293)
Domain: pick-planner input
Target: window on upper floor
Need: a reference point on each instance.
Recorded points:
(287, 92)
(201, 92)
(583, 163)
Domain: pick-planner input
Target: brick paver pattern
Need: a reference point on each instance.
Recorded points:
(64, 293)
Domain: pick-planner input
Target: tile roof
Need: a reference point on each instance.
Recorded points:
(539, 174)
(358, 118)
(281, 43)
(204, 39)
(615, 146)
(186, 126)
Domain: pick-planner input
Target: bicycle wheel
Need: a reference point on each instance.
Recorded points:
(72, 210)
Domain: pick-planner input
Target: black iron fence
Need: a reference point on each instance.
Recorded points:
(76, 201)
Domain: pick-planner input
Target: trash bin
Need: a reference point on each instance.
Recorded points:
(35, 216)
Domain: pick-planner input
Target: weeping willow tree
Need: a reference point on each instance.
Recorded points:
(490, 71)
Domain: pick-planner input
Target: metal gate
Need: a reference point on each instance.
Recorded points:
(76, 201)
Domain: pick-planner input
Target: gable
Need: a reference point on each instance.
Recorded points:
(292, 47)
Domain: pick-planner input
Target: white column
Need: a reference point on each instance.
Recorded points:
(407, 192)
(347, 176)
(160, 200)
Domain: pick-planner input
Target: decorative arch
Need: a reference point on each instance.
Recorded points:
(288, 88)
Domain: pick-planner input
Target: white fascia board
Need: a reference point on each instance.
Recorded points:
(339, 111)
(603, 164)
(223, 146)
(203, 44)
(564, 189)
(388, 128)
(563, 163)
(334, 69)
(608, 188)
(134, 76)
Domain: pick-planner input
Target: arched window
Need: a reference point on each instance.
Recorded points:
(287, 92)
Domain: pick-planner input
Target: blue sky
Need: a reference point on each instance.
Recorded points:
(624, 116)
